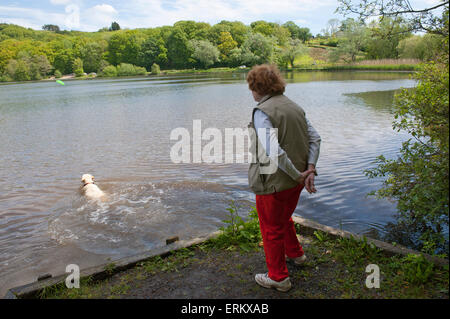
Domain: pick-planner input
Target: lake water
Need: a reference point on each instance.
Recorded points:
(119, 131)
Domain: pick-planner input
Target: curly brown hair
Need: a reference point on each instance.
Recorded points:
(266, 79)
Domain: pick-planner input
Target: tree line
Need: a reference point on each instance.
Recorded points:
(27, 54)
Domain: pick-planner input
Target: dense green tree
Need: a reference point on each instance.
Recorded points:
(263, 27)
(50, 27)
(385, 36)
(193, 30)
(238, 31)
(114, 26)
(179, 51)
(153, 51)
(124, 47)
(257, 49)
(27, 67)
(281, 35)
(204, 52)
(92, 56)
(304, 34)
(63, 61)
(77, 66)
(226, 45)
(40, 66)
(422, 47)
(293, 29)
(216, 31)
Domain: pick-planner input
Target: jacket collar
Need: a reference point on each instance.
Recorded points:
(264, 98)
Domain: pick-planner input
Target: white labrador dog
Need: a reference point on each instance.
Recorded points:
(89, 189)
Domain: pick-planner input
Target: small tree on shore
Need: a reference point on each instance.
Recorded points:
(77, 66)
(155, 69)
(294, 49)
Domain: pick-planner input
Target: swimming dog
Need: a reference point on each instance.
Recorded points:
(89, 189)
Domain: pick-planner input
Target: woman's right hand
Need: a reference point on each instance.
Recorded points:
(304, 175)
(309, 184)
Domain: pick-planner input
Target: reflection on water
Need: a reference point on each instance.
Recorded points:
(119, 129)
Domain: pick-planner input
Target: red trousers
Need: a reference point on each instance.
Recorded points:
(277, 229)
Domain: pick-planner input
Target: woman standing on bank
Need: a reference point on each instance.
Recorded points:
(296, 146)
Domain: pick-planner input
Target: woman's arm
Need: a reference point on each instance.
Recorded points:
(314, 145)
(262, 121)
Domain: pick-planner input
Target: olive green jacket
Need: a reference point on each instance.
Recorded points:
(289, 120)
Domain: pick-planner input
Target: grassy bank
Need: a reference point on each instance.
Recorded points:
(381, 67)
(224, 267)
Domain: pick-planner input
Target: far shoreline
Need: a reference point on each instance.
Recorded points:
(334, 68)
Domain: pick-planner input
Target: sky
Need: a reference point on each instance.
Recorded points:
(84, 15)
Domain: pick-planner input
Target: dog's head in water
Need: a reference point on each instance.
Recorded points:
(87, 179)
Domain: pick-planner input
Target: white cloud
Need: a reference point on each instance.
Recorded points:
(104, 8)
(98, 16)
(77, 14)
(60, 1)
(34, 18)
(146, 13)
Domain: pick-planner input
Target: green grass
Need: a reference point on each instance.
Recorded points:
(389, 67)
(238, 233)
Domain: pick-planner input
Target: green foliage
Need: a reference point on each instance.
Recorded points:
(385, 36)
(129, 69)
(57, 74)
(419, 47)
(263, 27)
(321, 236)
(92, 55)
(257, 49)
(77, 66)
(184, 45)
(352, 40)
(155, 69)
(244, 234)
(205, 53)
(416, 269)
(418, 178)
(28, 67)
(292, 50)
(226, 45)
(125, 46)
(354, 250)
(50, 27)
(153, 51)
(114, 26)
(302, 34)
(62, 61)
(109, 71)
(179, 51)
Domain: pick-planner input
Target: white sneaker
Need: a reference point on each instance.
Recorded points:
(298, 260)
(265, 281)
